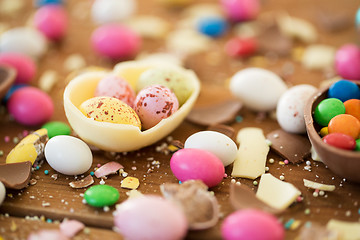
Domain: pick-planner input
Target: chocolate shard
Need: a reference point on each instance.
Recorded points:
(272, 40)
(85, 182)
(220, 113)
(224, 129)
(332, 21)
(15, 175)
(242, 197)
(293, 147)
(199, 206)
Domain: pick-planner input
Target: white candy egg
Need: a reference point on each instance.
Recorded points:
(217, 143)
(23, 40)
(110, 11)
(68, 155)
(2, 193)
(259, 89)
(290, 108)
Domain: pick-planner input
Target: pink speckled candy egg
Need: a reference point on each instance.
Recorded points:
(115, 41)
(150, 217)
(24, 65)
(30, 106)
(197, 164)
(52, 21)
(251, 224)
(347, 61)
(154, 103)
(241, 10)
(116, 87)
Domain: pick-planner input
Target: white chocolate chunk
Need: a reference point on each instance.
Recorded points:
(314, 155)
(319, 56)
(251, 157)
(74, 62)
(346, 230)
(149, 26)
(278, 194)
(48, 80)
(320, 186)
(297, 28)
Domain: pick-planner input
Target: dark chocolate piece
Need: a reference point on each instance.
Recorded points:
(224, 129)
(293, 147)
(242, 197)
(15, 175)
(223, 112)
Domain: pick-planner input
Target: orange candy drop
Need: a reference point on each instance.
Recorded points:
(352, 107)
(346, 124)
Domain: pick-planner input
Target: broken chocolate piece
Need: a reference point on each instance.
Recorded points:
(85, 182)
(15, 175)
(293, 147)
(332, 21)
(242, 197)
(107, 169)
(271, 39)
(7, 78)
(223, 112)
(200, 206)
(176, 145)
(224, 129)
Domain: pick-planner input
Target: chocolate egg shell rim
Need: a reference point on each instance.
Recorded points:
(90, 76)
(314, 100)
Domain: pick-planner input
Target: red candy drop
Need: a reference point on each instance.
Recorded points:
(340, 140)
(241, 47)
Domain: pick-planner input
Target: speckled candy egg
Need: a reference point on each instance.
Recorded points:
(251, 224)
(52, 21)
(290, 108)
(150, 217)
(68, 155)
(259, 89)
(2, 193)
(108, 109)
(176, 81)
(154, 103)
(116, 87)
(24, 65)
(110, 11)
(30, 106)
(197, 164)
(115, 41)
(217, 143)
(13, 40)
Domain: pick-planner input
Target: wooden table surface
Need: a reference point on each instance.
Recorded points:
(65, 202)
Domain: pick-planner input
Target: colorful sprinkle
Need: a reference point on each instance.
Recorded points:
(288, 224)
(46, 172)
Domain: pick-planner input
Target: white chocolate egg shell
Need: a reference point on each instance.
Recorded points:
(119, 137)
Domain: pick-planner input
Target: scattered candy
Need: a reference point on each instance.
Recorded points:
(357, 147)
(241, 47)
(144, 213)
(217, 143)
(318, 56)
(15, 175)
(241, 10)
(51, 20)
(107, 169)
(48, 80)
(12, 40)
(30, 148)
(56, 128)
(245, 224)
(297, 28)
(257, 88)
(170, 78)
(112, 110)
(112, 11)
(346, 124)
(319, 186)
(347, 61)
(340, 140)
(212, 26)
(154, 103)
(352, 107)
(25, 66)
(115, 41)
(130, 183)
(101, 196)
(68, 155)
(344, 90)
(116, 87)
(327, 109)
(197, 164)
(30, 106)
(324, 131)
(290, 108)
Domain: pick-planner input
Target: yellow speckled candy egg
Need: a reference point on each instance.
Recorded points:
(108, 109)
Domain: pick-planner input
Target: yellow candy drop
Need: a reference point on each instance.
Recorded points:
(324, 131)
